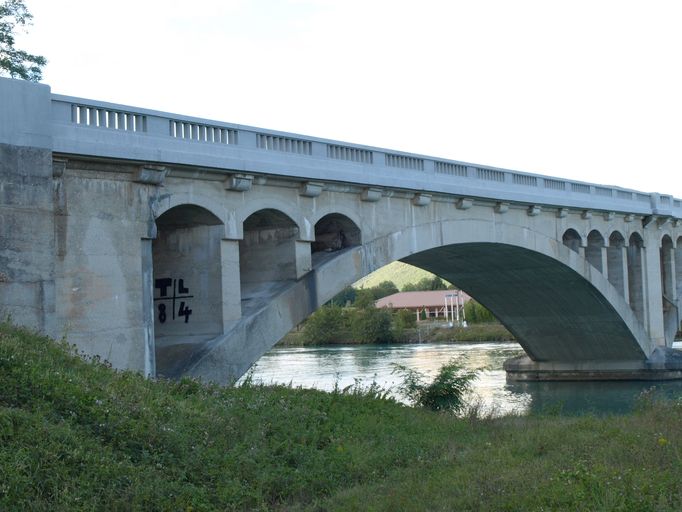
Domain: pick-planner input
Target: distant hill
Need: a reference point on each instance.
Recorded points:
(398, 272)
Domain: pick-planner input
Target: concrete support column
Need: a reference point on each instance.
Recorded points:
(148, 308)
(304, 262)
(636, 279)
(231, 284)
(617, 269)
(668, 273)
(624, 270)
(653, 293)
(604, 261)
(677, 259)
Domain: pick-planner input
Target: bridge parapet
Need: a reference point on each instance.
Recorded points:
(96, 128)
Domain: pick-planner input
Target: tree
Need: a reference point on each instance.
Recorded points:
(371, 325)
(324, 325)
(13, 62)
(427, 284)
(405, 319)
(345, 296)
(384, 289)
(476, 313)
(364, 298)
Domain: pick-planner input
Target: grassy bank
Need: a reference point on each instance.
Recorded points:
(431, 332)
(78, 436)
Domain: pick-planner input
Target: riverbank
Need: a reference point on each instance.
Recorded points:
(425, 333)
(79, 436)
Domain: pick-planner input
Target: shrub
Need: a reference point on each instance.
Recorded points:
(324, 325)
(364, 298)
(476, 313)
(405, 319)
(371, 325)
(445, 393)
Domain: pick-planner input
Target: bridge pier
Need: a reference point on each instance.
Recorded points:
(654, 294)
(232, 295)
(663, 364)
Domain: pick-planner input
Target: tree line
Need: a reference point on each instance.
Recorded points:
(352, 317)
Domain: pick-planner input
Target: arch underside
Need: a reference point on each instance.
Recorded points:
(554, 313)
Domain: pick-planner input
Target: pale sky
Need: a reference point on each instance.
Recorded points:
(585, 90)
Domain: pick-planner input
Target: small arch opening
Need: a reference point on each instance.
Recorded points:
(572, 240)
(615, 261)
(187, 278)
(334, 232)
(595, 249)
(267, 253)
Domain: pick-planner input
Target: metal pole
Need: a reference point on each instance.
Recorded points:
(457, 309)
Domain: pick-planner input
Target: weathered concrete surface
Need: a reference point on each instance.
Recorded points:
(27, 211)
(663, 364)
(102, 229)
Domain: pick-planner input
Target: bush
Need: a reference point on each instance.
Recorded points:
(476, 313)
(371, 325)
(364, 298)
(344, 297)
(384, 289)
(405, 319)
(446, 392)
(427, 284)
(324, 325)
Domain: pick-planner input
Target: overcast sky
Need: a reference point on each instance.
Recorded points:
(587, 90)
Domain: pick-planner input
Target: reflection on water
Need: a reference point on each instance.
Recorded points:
(328, 366)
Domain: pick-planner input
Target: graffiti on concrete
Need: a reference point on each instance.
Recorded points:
(178, 293)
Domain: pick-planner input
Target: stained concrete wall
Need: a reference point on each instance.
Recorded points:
(103, 227)
(27, 293)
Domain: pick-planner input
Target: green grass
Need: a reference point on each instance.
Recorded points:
(75, 435)
(398, 272)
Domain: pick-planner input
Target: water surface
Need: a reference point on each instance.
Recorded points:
(343, 365)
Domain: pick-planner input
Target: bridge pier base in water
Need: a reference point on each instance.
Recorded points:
(664, 364)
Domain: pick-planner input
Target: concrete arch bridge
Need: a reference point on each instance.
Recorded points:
(181, 246)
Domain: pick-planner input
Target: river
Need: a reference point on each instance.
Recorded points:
(325, 367)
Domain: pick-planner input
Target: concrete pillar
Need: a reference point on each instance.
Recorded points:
(148, 308)
(624, 270)
(636, 287)
(678, 269)
(304, 262)
(653, 293)
(617, 270)
(669, 287)
(231, 283)
(604, 261)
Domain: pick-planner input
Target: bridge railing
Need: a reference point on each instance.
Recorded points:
(104, 129)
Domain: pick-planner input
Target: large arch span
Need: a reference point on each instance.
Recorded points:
(559, 307)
